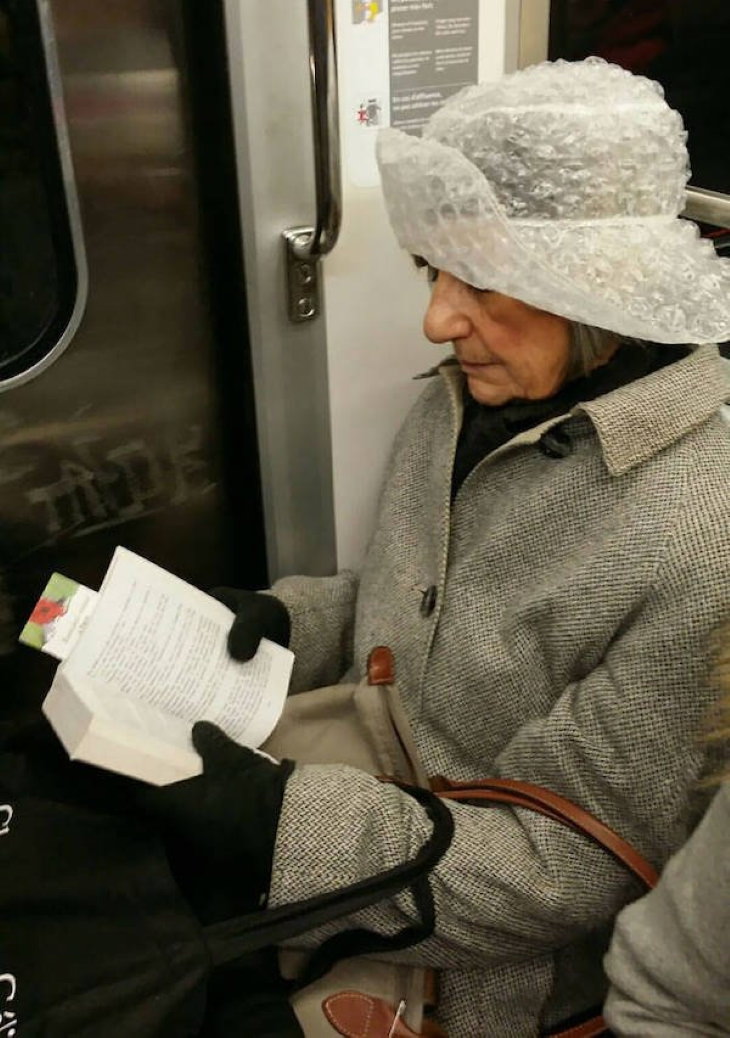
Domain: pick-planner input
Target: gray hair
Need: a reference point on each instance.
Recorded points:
(589, 346)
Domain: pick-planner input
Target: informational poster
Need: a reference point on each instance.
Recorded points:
(434, 51)
(399, 61)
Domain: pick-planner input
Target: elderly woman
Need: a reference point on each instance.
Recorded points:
(551, 551)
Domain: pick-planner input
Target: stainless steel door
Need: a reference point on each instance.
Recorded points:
(142, 432)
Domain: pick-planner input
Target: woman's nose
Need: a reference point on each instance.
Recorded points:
(446, 317)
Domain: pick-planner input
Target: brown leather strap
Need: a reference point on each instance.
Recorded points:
(592, 1028)
(430, 990)
(355, 1014)
(381, 666)
(559, 808)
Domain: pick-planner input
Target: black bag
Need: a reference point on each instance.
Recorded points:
(96, 940)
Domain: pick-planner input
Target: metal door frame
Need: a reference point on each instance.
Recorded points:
(268, 68)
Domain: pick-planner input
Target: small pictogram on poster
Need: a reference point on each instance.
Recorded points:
(365, 11)
(368, 114)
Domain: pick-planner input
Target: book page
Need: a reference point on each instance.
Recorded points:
(155, 640)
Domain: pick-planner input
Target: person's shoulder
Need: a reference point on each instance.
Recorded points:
(689, 474)
(710, 841)
(683, 492)
(704, 456)
(706, 450)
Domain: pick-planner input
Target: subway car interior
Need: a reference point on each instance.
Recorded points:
(479, 499)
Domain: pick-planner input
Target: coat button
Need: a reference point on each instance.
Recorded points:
(555, 443)
(428, 601)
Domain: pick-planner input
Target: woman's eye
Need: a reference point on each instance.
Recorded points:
(431, 272)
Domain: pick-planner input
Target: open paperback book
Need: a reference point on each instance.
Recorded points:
(144, 658)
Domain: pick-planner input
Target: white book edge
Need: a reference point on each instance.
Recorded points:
(111, 745)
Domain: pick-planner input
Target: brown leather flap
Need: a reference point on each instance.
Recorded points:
(381, 666)
(358, 1015)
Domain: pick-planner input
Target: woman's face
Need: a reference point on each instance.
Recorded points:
(507, 349)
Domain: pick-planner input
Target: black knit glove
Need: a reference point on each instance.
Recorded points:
(220, 827)
(249, 997)
(257, 616)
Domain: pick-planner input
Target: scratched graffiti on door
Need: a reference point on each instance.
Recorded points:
(95, 485)
(8, 1019)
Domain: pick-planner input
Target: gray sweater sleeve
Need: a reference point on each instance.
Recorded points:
(322, 613)
(669, 961)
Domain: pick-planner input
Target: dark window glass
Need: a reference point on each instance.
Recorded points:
(684, 44)
(38, 274)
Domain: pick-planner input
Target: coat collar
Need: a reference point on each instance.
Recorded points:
(641, 418)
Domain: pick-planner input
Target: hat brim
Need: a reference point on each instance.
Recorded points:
(650, 278)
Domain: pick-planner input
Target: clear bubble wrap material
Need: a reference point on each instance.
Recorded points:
(561, 185)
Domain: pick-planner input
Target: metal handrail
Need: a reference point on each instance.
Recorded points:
(711, 207)
(325, 121)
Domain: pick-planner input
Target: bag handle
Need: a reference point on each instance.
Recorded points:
(560, 809)
(552, 805)
(229, 939)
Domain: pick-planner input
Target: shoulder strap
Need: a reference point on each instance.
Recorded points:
(552, 805)
(229, 939)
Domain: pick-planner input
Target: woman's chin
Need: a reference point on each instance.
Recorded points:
(488, 393)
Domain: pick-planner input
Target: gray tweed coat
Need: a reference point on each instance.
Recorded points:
(565, 644)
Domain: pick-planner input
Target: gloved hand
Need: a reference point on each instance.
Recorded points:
(257, 616)
(220, 827)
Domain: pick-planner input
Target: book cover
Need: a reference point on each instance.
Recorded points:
(59, 616)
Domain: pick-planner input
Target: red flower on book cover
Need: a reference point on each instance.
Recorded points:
(47, 610)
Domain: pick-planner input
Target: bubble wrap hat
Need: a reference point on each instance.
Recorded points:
(561, 185)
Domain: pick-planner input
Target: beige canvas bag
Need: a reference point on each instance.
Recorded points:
(362, 725)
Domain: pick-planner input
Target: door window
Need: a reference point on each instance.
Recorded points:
(42, 268)
(683, 44)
